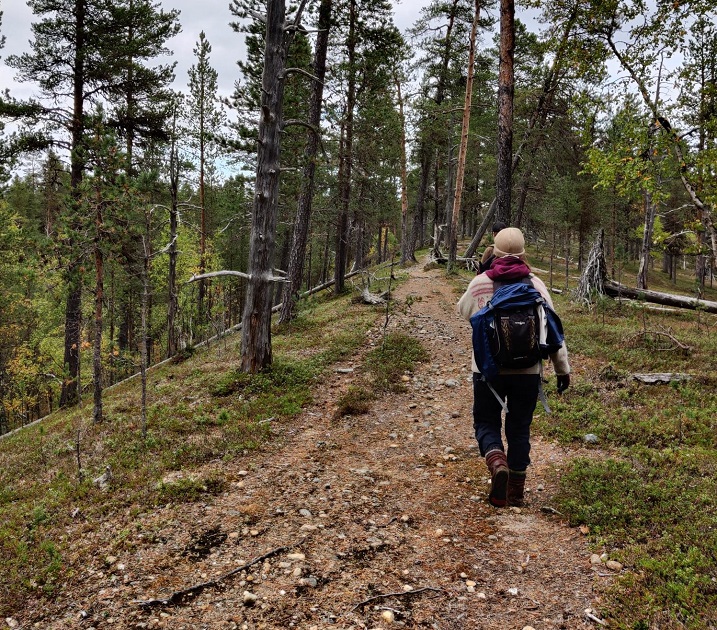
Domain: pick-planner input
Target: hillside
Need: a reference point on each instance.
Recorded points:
(299, 516)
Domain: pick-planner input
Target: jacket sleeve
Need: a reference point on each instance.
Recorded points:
(559, 359)
(479, 291)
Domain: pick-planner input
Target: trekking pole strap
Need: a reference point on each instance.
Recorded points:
(541, 392)
(502, 402)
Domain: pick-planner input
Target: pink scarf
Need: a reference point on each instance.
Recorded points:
(508, 268)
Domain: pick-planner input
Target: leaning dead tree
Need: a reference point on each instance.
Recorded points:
(453, 228)
(594, 281)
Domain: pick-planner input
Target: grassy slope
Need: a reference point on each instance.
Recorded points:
(200, 411)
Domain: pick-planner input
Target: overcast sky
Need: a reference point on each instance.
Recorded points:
(210, 16)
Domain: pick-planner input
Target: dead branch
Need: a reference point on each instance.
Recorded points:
(226, 272)
(289, 71)
(656, 337)
(401, 594)
(178, 597)
(589, 614)
(373, 298)
(299, 123)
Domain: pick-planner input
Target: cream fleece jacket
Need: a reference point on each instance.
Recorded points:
(477, 295)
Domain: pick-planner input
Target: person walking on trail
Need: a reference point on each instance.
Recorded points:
(488, 256)
(520, 387)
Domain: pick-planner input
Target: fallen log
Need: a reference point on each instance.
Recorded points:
(615, 289)
(666, 377)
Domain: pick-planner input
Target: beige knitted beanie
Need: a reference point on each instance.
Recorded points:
(509, 242)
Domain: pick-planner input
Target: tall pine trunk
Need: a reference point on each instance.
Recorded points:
(99, 297)
(202, 214)
(172, 297)
(346, 156)
(303, 213)
(506, 89)
(404, 186)
(73, 308)
(256, 351)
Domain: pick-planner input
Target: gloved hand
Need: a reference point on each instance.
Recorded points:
(563, 382)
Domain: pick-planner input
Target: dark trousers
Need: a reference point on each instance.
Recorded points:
(521, 391)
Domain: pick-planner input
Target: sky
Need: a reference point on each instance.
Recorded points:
(210, 16)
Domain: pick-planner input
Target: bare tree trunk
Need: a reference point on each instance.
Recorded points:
(145, 308)
(482, 229)
(99, 297)
(522, 195)
(615, 289)
(461, 168)
(650, 212)
(202, 291)
(256, 330)
(404, 186)
(506, 90)
(447, 202)
(346, 155)
(303, 212)
(73, 320)
(111, 309)
(173, 298)
(360, 228)
(325, 259)
(567, 258)
(419, 216)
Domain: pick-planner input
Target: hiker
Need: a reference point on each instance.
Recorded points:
(488, 256)
(521, 387)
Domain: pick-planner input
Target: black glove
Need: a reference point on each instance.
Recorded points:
(563, 382)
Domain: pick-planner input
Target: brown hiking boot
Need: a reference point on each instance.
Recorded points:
(498, 467)
(516, 488)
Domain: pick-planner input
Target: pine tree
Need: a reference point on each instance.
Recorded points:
(207, 118)
(141, 32)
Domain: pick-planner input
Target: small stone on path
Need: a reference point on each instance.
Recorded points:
(249, 598)
(388, 616)
(296, 556)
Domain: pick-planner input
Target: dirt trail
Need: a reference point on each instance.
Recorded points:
(390, 502)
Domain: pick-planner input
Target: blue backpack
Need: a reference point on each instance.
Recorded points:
(515, 330)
